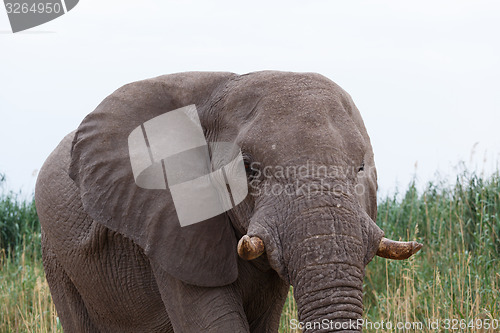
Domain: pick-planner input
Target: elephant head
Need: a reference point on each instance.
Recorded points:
(311, 202)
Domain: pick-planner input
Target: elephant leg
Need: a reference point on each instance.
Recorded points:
(263, 293)
(269, 320)
(70, 307)
(201, 309)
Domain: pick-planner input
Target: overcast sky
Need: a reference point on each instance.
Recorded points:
(425, 75)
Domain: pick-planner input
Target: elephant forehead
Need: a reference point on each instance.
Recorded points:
(325, 139)
(282, 94)
(295, 118)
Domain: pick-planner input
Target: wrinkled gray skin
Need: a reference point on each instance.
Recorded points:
(116, 259)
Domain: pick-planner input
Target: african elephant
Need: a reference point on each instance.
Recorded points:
(117, 259)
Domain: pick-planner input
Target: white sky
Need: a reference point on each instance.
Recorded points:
(425, 75)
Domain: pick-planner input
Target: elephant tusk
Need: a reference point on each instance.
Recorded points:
(397, 250)
(250, 248)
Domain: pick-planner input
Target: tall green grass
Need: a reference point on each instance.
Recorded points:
(456, 276)
(19, 225)
(25, 301)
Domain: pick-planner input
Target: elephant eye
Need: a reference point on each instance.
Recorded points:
(249, 169)
(247, 165)
(362, 167)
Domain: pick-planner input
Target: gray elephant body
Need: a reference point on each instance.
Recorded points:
(101, 281)
(117, 260)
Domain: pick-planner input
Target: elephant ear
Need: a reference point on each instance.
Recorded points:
(202, 254)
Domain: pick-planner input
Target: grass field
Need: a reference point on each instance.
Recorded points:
(454, 282)
(25, 302)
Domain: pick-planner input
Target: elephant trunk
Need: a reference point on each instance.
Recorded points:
(321, 247)
(325, 253)
(328, 289)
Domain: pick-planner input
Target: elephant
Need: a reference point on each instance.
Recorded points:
(117, 259)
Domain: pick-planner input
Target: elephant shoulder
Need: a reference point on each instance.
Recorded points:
(57, 198)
